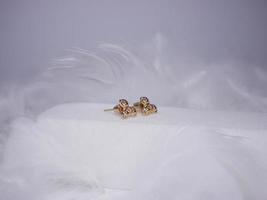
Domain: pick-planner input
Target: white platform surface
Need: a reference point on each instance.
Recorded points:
(78, 151)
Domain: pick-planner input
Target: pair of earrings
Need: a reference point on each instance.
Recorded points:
(144, 106)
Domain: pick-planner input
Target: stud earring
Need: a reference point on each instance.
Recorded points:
(145, 106)
(124, 109)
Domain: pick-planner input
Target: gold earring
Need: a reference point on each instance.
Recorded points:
(124, 109)
(145, 106)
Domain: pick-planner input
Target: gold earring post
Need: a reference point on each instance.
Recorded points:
(109, 109)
